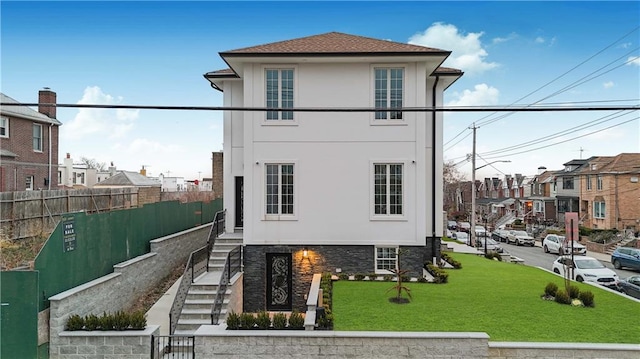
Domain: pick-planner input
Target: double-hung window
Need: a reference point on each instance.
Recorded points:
(599, 182)
(279, 190)
(28, 183)
(386, 259)
(279, 93)
(37, 137)
(598, 209)
(388, 189)
(388, 92)
(588, 182)
(4, 127)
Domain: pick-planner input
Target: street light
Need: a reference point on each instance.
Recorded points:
(472, 232)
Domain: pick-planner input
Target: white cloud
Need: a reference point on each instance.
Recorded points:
(467, 53)
(626, 45)
(142, 146)
(499, 40)
(540, 40)
(112, 123)
(608, 84)
(633, 60)
(481, 95)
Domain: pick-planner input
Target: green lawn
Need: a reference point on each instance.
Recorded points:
(500, 299)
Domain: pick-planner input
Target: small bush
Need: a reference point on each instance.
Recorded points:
(493, 255)
(372, 276)
(574, 292)
(279, 321)
(439, 275)
(296, 320)
(587, 299)
(138, 320)
(75, 322)
(562, 297)
(106, 322)
(358, 276)
(551, 289)
(92, 322)
(263, 320)
(343, 276)
(422, 280)
(247, 320)
(387, 277)
(121, 321)
(233, 321)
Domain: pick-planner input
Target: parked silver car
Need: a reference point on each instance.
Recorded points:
(554, 243)
(520, 238)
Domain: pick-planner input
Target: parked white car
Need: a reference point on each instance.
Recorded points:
(586, 269)
(520, 238)
(480, 231)
(554, 243)
(462, 237)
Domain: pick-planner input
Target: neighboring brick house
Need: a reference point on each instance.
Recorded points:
(567, 186)
(542, 197)
(610, 192)
(29, 144)
(350, 189)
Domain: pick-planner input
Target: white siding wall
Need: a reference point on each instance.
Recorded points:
(333, 155)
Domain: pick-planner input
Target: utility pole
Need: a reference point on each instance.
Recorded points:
(472, 230)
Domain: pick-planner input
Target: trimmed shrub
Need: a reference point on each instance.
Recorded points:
(233, 321)
(75, 322)
(92, 322)
(247, 321)
(562, 297)
(358, 276)
(387, 277)
(296, 320)
(106, 321)
(121, 321)
(574, 292)
(279, 321)
(138, 320)
(551, 289)
(439, 275)
(343, 276)
(587, 299)
(263, 320)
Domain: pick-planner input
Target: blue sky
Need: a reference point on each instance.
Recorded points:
(154, 53)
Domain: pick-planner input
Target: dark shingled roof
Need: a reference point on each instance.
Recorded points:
(126, 178)
(335, 43)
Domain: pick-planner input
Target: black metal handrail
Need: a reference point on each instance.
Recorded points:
(232, 265)
(197, 264)
(177, 346)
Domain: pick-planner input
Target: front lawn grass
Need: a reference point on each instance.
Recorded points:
(500, 299)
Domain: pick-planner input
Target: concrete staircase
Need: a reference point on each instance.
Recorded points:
(622, 243)
(504, 220)
(204, 290)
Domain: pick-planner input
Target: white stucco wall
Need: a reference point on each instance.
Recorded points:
(333, 154)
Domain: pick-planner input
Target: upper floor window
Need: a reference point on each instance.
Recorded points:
(279, 189)
(387, 188)
(588, 182)
(599, 182)
(4, 127)
(37, 137)
(567, 182)
(389, 87)
(279, 87)
(598, 209)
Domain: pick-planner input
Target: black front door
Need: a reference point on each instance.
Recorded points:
(239, 202)
(279, 281)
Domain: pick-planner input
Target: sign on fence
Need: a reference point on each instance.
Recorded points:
(69, 234)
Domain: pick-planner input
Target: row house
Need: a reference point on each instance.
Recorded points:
(610, 192)
(567, 187)
(28, 144)
(543, 196)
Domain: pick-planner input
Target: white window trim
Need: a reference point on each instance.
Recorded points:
(32, 178)
(41, 137)
(372, 92)
(296, 190)
(375, 259)
(372, 212)
(604, 213)
(280, 122)
(6, 127)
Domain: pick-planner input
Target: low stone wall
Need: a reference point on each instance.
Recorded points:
(117, 291)
(213, 342)
(508, 350)
(130, 344)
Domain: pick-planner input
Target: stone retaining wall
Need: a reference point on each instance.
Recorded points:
(509, 350)
(118, 290)
(131, 344)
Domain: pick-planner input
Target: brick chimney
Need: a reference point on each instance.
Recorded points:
(46, 96)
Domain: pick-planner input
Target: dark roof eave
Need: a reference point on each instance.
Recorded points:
(334, 54)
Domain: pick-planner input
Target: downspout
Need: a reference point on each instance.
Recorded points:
(433, 171)
(50, 150)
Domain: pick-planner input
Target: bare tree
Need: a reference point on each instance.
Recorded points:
(453, 180)
(92, 163)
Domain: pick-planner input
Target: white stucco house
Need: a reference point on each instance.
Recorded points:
(346, 188)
